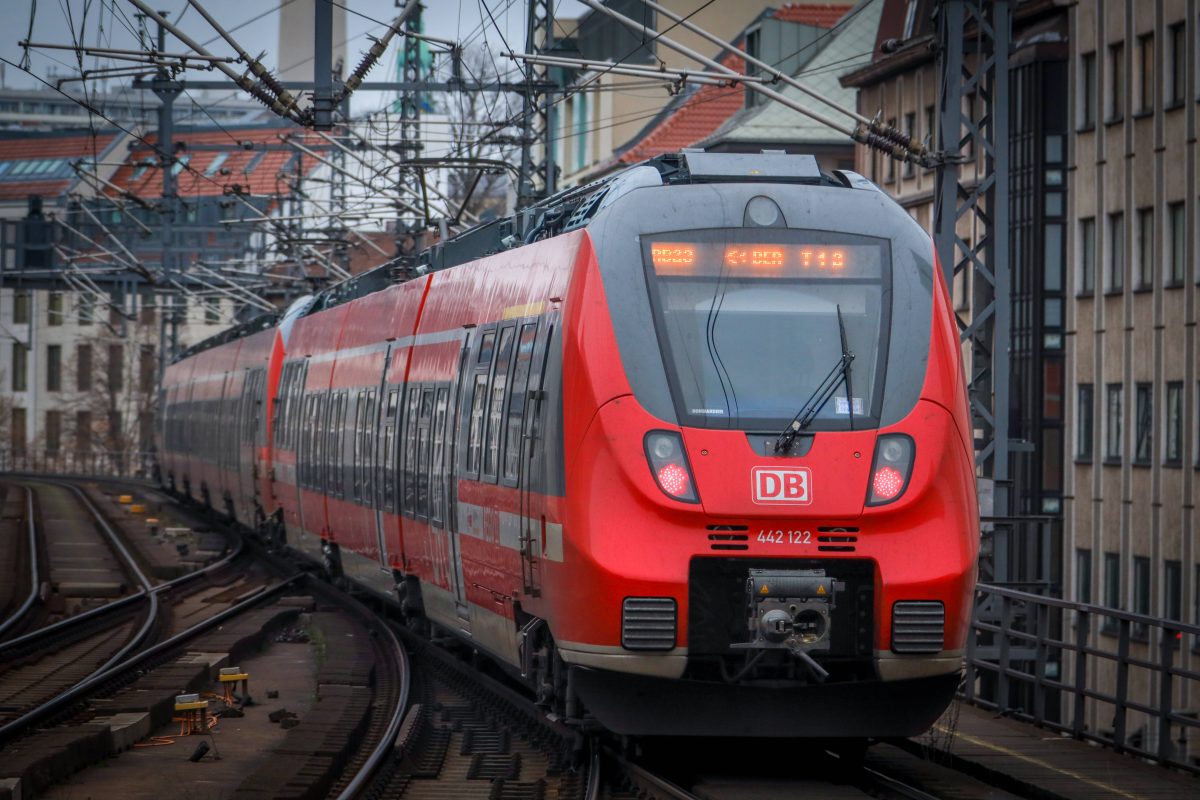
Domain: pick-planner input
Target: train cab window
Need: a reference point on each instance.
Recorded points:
(423, 436)
(495, 413)
(438, 468)
(516, 403)
(409, 492)
(733, 305)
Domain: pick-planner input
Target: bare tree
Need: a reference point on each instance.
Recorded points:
(113, 403)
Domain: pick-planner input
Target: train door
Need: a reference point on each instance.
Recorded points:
(447, 500)
(383, 435)
(525, 410)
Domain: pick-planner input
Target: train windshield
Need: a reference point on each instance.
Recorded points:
(748, 324)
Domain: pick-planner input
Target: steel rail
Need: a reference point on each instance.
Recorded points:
(34, 579)
(387, 743)
(94, 681)
(107, 608)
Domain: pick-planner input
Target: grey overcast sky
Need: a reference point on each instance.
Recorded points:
(109, 23)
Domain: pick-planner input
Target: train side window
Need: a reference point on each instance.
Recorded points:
(337, 423)
(308, 458)
(387, 458)
(533, 420)
(475, 425)
(357, 448)
(438, 468)
(495, 412)
(368, 449)
(423, 453)
(410, 450)
(516, 403)
(486, 346)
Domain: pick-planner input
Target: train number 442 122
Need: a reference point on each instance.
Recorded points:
(784, 537)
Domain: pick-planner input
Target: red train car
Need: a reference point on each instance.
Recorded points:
(687, 450)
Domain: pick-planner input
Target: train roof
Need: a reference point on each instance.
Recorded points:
(565, 211)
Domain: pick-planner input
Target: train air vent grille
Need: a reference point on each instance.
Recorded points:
(918, 626)
(726, 527)
(648, 623)
(728, 541)
(836, 529)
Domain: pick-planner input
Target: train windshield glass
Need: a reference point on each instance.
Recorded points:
(748, 323)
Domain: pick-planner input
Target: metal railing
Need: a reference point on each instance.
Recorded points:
(1017, 666)
(101, 463)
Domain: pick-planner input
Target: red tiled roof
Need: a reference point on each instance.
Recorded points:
(266, 175)
(698, 117)
(820, 15)
(42, 146)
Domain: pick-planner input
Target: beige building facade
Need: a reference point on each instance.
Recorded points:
(1130, 521)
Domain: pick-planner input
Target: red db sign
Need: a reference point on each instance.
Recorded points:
(775, 486)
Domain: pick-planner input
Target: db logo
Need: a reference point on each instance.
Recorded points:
(775, 486)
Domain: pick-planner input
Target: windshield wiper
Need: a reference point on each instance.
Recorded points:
(840, 374)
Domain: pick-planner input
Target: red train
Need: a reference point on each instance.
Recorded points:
(687, 449)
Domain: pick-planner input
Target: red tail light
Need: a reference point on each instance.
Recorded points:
(669, 465)
(891, 468)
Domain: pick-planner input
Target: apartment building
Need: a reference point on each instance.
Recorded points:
(1132, 394)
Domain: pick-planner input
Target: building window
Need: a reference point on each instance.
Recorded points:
(116, 368)
(83, 367)
(20, 308)
(147, 368)
(1177, 83)
(1173, 590)
(53, 432)
(1141, 591)
(212, 310)
(20, 367)
(86, 310)
(1173, 444)
(1112, 427)
(1116, 81)
(931, 127)
(18, 431)
(1083, 423)
(1087, 256)
(1145, 73)
(83, 431)
(1083, 575)
(1112, 588)
(1087, 90)
(1116, 252)
(1177, 266)
(53, 368)
(1144, 428)
(54, 309)
(1145, 247)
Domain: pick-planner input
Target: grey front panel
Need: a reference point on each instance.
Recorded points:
(616, 233)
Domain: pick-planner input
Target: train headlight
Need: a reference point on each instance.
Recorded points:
(891, 468)
(669, 466)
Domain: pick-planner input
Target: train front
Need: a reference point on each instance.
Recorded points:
(771, 517)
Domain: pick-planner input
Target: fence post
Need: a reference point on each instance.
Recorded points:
(1002, 678)
(1119, 710)
(972, 635)
(1043, 633)
(1166, 653)
(1083, 627)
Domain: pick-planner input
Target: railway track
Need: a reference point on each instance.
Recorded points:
(21, 559)
(436, 726)
(40, 668)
